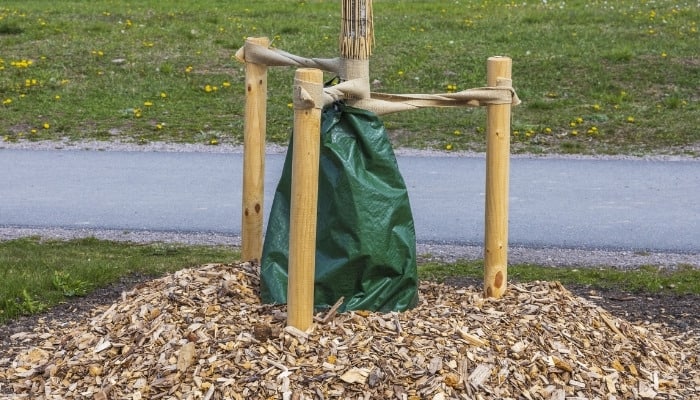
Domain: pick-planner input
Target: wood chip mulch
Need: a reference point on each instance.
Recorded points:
(202, 333)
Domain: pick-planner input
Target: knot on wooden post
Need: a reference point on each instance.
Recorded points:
(254, 154)
(497, 174)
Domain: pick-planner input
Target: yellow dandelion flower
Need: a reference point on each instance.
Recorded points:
(208, 88)
(188, 69)
(596, 107)
(57, 97)
(630, 119)
(547, 130)
(226, 84)
(163, 95)
(574, 132)
(449, 146)
(213, 141)
(147, 103)
(46, 125)
(457, 132)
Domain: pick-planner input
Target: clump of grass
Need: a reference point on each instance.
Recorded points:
(10, 29)
(37, 274)
(647, 279)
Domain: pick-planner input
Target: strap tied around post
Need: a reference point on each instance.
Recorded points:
(307, 95)
(355, 89)
(257, 54)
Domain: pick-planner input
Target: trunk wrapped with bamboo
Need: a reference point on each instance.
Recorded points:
(357, 30)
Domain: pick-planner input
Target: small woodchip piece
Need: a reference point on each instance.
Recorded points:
(202, 333)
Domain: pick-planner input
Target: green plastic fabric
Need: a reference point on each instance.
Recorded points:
(365, 239)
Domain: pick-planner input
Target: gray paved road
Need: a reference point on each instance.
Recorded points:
(635, 205)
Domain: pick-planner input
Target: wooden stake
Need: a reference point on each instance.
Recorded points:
(308, 98)
(254, 156)
(497, 171)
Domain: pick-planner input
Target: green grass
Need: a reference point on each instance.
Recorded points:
(37, 274)
(647, 279)
(594, 76)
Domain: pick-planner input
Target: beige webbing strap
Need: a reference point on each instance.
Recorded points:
(355, 86)
(354, 75)
(307, 95)
(381, 103)
(257, 54)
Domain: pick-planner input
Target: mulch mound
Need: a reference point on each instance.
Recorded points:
(202, 333)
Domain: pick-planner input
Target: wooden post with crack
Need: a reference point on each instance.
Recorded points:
(254, 130)
(308, 102)
(497, 172)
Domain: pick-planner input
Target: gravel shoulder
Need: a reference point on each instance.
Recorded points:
(427, 251)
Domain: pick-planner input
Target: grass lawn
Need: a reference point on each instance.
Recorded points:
(595, 77)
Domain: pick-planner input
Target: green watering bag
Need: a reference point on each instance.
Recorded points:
(365, 239)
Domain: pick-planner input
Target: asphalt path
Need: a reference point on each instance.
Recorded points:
(619, 204)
